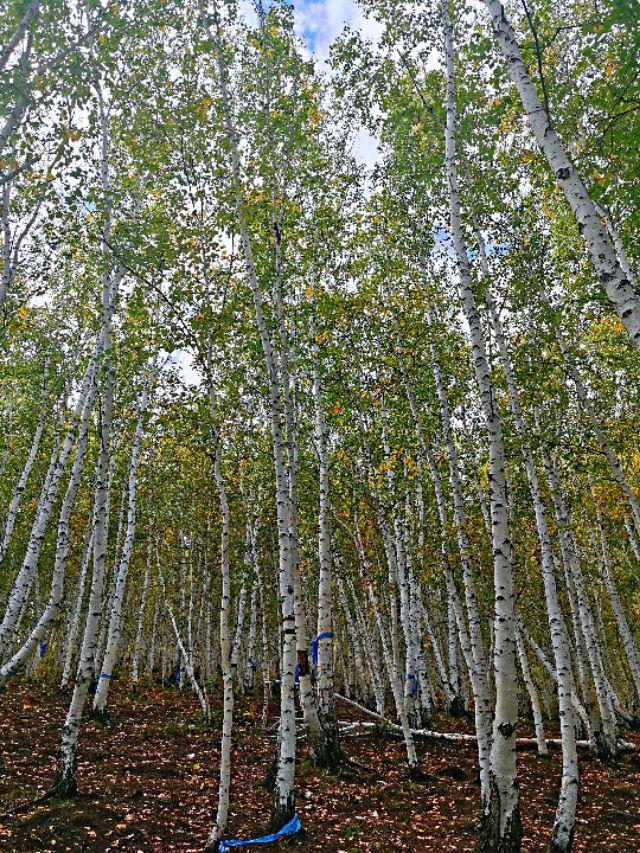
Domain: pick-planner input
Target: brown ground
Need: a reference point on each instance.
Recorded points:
(148, 783)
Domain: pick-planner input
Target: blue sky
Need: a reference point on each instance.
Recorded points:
(320, 21)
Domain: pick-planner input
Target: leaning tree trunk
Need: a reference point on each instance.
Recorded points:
(617, 281)
(21, 485)
(328, 752)
(63, 546)
(74, 619)
(66, 781)
(115, 617)
(629, 642)
(284, 797)
(502, 821)
(225, 655)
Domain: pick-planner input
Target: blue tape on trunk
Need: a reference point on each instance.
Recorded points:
(315, 643)
(288, 829)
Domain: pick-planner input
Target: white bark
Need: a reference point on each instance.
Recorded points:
(534, 697)
(63, 546)
(571, 560)
(619, 284)
(324, 641)
(22, 584)
(74, 620)
(182, 651)
(66, 781)
(30, 15)
(564, 824)
(629, 642)
(115, 616)
(284, 794)
(503, 824)
(14, 506)
(225, 650)
(137, 649)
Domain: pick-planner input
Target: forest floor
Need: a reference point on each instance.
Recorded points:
(148, 782)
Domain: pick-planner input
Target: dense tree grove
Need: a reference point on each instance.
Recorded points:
(275, 423)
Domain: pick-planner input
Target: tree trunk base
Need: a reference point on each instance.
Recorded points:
(281, 814)
(457, 707)
(327, 753)
(604, 749)
(559, 842)
(64, 787)
(491, 839)
(100, 716)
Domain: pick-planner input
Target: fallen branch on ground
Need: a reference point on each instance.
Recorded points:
(428, 734)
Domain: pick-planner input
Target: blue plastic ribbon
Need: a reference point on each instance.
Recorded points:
(297, 672)
(290, 828)
(315, 643)
(411, 677)
(252, 664)
(43, 649)
(105, 675)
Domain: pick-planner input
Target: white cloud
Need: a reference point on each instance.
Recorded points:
(365, 148)
(319, 22)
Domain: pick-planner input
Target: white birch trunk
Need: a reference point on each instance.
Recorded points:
(137, 650)
(74, 621)
(12, 512)
(225, 652)
(503, 817)
(330, 749)
(283, 805)
(63, 545)
(629, 642)
(66, 781)
(534, 696)
(115, 616)
(562, 834)
(607, 737)
(618, 282)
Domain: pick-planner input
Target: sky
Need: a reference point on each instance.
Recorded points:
(318, 23)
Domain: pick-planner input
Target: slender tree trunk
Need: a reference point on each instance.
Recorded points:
(502, 825)
(225, 653)
(328, 751)
(115, 616)
(74, 621)
(63, 545)
(14, 506)
(534, 697)
(137, 650)
(618, 283)
(283, 804)
(629, 642)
